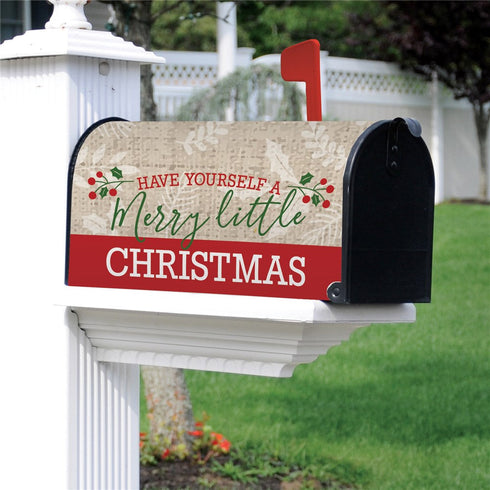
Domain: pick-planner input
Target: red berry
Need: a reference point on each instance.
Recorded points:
(113, 192)
(92, 195)
(323, 181)
(91, 181)
(306, 199)
(99, 174)
(330, 189)
(326, 203)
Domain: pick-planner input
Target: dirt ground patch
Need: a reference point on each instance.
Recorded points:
(181, 475)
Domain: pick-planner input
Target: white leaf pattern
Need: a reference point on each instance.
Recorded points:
(118, 157)
(323, 147)
(98, 154)
(279, 162)
(204, 136)
(95, 224)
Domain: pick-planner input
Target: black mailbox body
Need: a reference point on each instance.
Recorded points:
(388, 213)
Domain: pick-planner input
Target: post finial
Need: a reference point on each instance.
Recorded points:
(68, 14)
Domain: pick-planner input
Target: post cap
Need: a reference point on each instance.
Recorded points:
(68, 14)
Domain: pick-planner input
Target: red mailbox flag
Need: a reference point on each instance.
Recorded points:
(301, 63)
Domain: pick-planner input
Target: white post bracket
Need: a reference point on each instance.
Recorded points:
(235, 334)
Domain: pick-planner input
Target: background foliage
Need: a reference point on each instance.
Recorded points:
(267, 26)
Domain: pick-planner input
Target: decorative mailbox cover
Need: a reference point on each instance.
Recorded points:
(255, 208)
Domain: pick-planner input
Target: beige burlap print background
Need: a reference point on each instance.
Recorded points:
(273, 157)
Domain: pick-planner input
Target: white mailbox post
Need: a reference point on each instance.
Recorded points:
(70, 356)
(79, 416)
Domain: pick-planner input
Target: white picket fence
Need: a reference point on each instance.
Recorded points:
(355, 90)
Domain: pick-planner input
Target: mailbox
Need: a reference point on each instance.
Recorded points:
(388, 211)
(335, 211)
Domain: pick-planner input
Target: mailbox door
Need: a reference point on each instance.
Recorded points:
(387, 217)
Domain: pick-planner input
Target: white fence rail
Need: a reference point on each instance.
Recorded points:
(355, 90)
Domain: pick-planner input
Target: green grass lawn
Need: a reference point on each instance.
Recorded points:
(395, 407)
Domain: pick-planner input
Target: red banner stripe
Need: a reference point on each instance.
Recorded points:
(208, 266)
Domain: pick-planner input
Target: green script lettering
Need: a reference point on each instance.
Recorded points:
(258, 212)
(175, 223)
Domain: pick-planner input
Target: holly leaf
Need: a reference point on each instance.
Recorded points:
(116, 173)
(315, 199)
(103, 192)
(306, 178)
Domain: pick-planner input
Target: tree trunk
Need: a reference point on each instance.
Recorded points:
(133, 23)
(482, 116)
(169, 406)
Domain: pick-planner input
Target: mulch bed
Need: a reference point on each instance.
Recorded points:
(188, 475)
